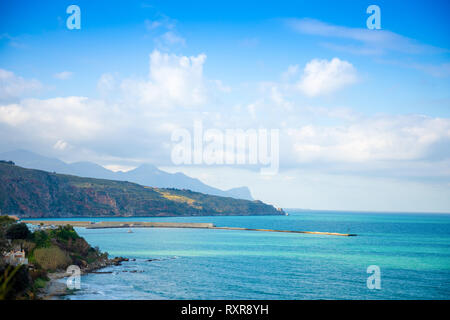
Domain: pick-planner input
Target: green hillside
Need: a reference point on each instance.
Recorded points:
(41, 194)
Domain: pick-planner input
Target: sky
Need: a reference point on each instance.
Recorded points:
(362, 115)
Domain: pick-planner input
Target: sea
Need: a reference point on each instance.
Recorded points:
(393, 256)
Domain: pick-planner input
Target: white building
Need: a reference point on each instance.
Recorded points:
(16, 257)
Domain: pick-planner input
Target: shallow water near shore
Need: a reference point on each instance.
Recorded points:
(411, 250)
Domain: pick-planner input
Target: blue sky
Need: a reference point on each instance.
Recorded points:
(381, 123)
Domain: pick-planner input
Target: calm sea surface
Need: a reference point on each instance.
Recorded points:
(411, 250)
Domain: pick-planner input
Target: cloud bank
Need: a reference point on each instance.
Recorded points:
(133, 119)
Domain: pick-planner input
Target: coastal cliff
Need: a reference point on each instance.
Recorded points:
(40, 194)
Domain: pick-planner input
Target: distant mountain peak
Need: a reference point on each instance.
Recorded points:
(241, 193)
(146, 167)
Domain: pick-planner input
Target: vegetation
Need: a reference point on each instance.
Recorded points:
(18, 231)
(5, 223)
(47, 251)
(52, 258)
(40, 283)
(36, 193)
(13, 281)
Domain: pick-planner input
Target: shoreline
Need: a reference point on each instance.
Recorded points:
(54, 289)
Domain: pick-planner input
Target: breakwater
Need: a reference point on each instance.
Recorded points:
(139, 224)
(289, 231)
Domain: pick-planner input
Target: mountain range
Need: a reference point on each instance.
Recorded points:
(146, 174)
(41, 194)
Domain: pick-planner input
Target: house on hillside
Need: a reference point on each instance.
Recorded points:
(16, 257)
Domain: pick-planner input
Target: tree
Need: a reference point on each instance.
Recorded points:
(5, 223)
(18, 231)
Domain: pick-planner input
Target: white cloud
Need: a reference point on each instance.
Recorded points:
(118, 167)
(70, 118)
(174, 81)
(87, 129)
(136, 114)
(387, 138)
(13, 87)
(152, 25)
(323, 76)
(290, 72)
(439, 71)
(371, 41)
(278, 99)
(252, 110)
(64, 75)
(106, 84)
(162, 22)
(13, 114)
(164, 32)
(170, 38)
(221, 87)
(362, 41)
(60, 145)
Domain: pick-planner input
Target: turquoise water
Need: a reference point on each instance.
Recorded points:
(412, 251)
